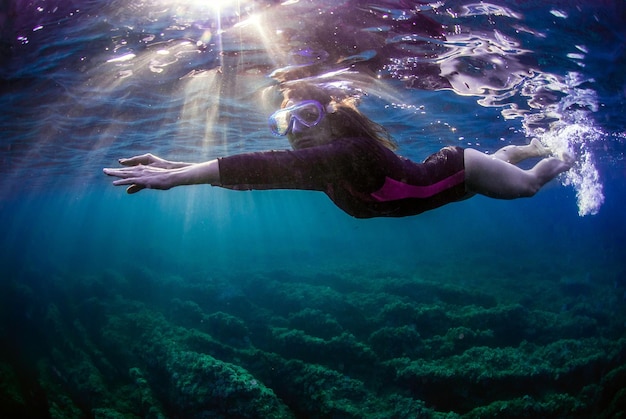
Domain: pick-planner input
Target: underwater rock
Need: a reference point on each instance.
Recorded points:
(186, 312)
(200, 383)
(395, 342)
(428, 320)
(553, 406)
(227, 328)
(318, 392)
(483, 375)
(150, 405)
(344, 350)
(315, 323)
(366, 353)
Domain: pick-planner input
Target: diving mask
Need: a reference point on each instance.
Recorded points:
(309, 113)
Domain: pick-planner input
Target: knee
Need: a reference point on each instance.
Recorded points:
(527, 186)
(529, 190)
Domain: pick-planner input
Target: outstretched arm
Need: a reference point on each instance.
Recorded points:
(151, 172)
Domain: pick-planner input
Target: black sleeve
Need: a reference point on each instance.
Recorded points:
(353, 161)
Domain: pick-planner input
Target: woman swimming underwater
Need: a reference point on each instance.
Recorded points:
(343, 153)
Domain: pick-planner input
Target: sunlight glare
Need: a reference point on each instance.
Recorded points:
(196, 7)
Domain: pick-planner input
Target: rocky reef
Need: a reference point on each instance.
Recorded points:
(341, 343)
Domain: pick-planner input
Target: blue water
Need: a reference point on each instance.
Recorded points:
(202, 302)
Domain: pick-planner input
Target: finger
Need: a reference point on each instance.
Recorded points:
(134, 189)
(144, 159)
(122, 182)
(121, 173)
(110, 172)
(134, 186)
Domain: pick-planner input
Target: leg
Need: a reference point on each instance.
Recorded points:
(514, 153)
(493, 177)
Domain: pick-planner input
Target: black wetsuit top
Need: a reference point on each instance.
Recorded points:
(362, 177)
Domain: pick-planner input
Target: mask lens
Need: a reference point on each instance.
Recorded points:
(308, 113)
(280, 122)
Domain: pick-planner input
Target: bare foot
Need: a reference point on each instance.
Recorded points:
(568, 158)
(548, 168)
(539, 149)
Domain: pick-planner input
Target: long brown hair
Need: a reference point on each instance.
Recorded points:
(346, 119)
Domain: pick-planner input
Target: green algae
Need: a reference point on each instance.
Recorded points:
(373, 350)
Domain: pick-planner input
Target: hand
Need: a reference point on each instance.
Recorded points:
(153, 161)
(151, 172)
(140, 176)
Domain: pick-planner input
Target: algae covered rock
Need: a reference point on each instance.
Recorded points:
(343, 351)
(201, 383)
(393, 342)
(227, 327)
(315, 391)
(315, 323)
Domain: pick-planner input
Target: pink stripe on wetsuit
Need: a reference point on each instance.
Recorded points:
(362, 177)
(393, 190)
